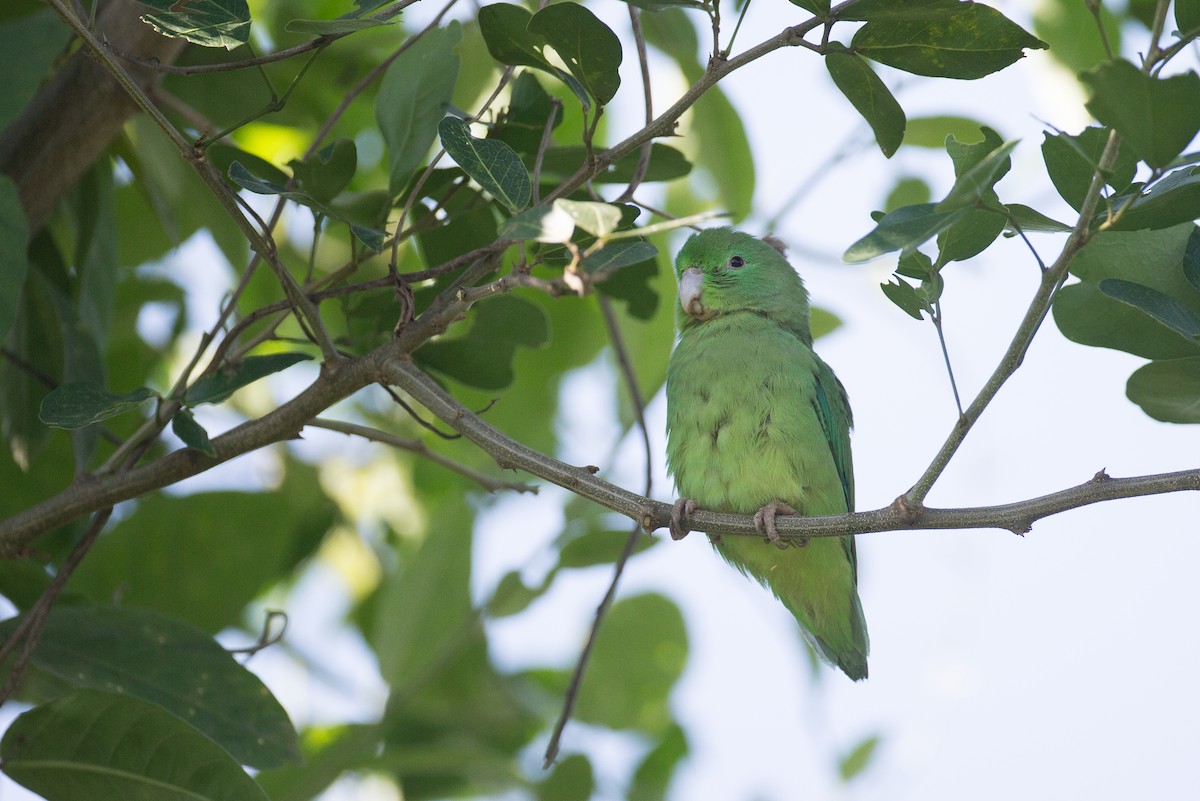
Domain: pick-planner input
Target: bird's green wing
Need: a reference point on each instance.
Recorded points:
(833, 410)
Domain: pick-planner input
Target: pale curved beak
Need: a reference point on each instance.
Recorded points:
(691, 286)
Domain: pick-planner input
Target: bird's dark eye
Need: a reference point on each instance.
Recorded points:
(737, 262)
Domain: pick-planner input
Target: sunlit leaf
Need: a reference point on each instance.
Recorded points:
(591, 51)
(210, 23)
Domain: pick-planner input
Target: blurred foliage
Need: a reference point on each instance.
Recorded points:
(96, 321)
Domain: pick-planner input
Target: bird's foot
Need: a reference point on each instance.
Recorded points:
(764, 521)
(681, 508)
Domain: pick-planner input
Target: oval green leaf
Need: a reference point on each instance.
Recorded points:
(870, 97)
(92, 745)
(412, 100)
(494, 165)
(172, 664)
(77, 404)
(1167, 390)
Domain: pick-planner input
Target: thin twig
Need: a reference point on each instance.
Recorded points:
(635, 397)
(29, 631)
(489, 483)
(643, 163)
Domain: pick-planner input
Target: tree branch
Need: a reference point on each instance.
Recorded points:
(1017, 517)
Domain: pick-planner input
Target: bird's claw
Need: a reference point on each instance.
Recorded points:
(682, 508)
(764, 521)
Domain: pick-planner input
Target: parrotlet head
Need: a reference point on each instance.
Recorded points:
(722, 271)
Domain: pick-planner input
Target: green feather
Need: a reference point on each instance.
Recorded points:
(755, 416)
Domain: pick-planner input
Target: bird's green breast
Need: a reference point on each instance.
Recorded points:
(742, 427)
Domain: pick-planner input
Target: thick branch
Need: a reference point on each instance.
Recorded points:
(650, 514)
(75, 116)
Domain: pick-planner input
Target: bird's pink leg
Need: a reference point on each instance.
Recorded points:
(764, 521)
(681, 508)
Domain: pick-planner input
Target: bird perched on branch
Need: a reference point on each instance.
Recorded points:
(758, 424)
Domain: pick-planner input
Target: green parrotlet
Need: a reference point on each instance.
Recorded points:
(758, 424)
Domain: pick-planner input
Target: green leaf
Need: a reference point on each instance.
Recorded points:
(242, 177)
(31, 41)
(907, 192)
(659, 5)
(970, 236)
(14, 239)
(235, 545)
(639, 654)
(1070, 29)
(92, 745)
(412, 100)
(522, 124)
(1173, 200)
(653, 776)
(721, 146)
(1033, 220)
(615, 255)
(1159, 305)
(630, 284)
(857, 760)
(1150, 258)
(571, 780)
(602, 547)
(540, 224)
(977, 182)
(591, 51)
(932, 132)
(1157, 117)
(494, 165)
(77, 404)
(192, 433)
(483, 357)
(172, 664)
(870, 97)
(904, 295)
(816, 7)
(511, 596)
(324, 174)
(944, 40)
(209, 23)
(903, 229)
(666, 164)
(505, 30)
(1071, 161)
(425, 606)
(216, 387)
(334, 27)
(1187, 16)
(1168, 389)
(1191, 259)
(598, 219)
